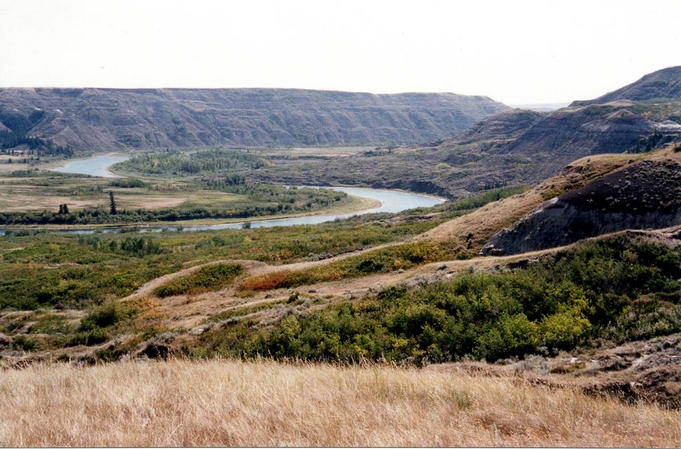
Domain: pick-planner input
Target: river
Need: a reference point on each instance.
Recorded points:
(391, 201)
(93, 166)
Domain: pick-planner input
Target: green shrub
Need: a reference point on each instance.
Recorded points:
(604, 290)
(384, 260)
(564, 330)
(23, 343)
(509, 335)
(87, 338)
(211, 277)
(106, 316)
(127, 183)
(51, 324)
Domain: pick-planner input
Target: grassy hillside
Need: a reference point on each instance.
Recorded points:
(227, 403)
(614, 290)
(65, 271)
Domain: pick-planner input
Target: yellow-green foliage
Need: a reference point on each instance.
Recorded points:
(381, 260)
(592, 293)
(69, 271)
(212, 277)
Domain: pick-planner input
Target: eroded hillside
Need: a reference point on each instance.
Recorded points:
(509, 148)
(642, 195)
(663, 83)
(114, 119)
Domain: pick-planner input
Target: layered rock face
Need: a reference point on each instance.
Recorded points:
(645, 195)
(109, 119)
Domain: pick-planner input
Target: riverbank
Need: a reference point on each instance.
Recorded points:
(357, 206)
(94, 165)
(363, 200)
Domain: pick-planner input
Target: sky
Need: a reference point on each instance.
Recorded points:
(517, 52)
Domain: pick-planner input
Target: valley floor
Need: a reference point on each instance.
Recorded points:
(222, 402)
(602, 397)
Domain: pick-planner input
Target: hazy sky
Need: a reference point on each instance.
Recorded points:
(518, 52)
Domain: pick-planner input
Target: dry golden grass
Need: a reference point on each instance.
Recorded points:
(265, 403)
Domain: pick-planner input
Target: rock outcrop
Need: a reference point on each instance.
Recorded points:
(644, 195)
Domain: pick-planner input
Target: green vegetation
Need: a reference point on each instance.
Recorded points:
(42, 269)
(175, 162)
(97, 326)
(51, 324)
(259, 200)
(212, 277)
(51, 330)
(614, 290)
(128, 183)
(477, 201)
(188, 186)
(382, 260)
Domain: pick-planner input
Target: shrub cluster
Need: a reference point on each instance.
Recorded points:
(43, 269)
(382, 260)
(211, 277)
(176, 162)
(616, 289)
(94, 328)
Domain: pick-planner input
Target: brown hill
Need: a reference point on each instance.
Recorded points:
(642, 195)
(108, 119)
(665, 83)
(508, 148)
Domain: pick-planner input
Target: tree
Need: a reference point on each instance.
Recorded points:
(112, 203)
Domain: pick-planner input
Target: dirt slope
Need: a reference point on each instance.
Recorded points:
(642, 195)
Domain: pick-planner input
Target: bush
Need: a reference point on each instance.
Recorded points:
(510, 335)
(127, 183)
(564, 330)
(51, 324)
(23, 343)
(211, 277)
(604, 290)
(382, 260)
(88, 338)
(106, 316)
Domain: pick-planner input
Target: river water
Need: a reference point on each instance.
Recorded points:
(391, 201)
(93, 166)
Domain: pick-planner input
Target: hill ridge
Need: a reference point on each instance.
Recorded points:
(664, 83)
(100, 119)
